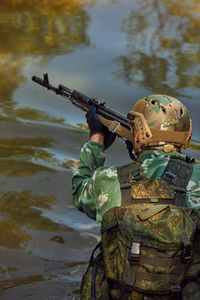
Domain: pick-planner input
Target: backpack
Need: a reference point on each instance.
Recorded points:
(147, 242)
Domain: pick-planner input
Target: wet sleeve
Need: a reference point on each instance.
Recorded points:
(95, 187)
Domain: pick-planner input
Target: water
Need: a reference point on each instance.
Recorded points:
(117, 50)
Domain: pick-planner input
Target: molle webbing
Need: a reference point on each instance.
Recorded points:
(175, 178)
(132, 171)
(126, 174)
(178, 173)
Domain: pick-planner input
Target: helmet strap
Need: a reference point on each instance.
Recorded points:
(167, 148)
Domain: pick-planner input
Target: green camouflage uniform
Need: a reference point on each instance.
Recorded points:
(96, 189)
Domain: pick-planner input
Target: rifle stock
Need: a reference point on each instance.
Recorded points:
(113, 120)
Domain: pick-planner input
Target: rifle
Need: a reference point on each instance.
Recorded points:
(109, 117)
(113, 120)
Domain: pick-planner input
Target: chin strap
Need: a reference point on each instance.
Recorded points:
(167, 148)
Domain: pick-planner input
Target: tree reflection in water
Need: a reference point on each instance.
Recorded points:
(39, 29)
(33, 179)
(163, 46)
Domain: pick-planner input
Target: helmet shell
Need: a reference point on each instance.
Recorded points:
(164, 113)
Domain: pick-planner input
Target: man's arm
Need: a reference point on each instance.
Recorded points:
(98, 138)
(95, 187)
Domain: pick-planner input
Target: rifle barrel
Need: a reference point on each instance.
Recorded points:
(80, 99)
(45, 84)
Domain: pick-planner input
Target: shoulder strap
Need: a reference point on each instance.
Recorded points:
(126, 174)
(178, 173)
(131, 171)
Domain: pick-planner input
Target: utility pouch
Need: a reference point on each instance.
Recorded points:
(147, 252)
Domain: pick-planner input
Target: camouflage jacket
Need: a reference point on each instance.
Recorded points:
(96, 188)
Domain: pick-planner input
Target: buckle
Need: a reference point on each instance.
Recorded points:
(180, 190)
(114, 126)
(169, 176)
(186, 254)
(189, 159)
(180, 193)
(175, 290)
(134, 253)
(136, 176)
(125, 186)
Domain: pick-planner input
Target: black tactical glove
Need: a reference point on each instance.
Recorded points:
(94, 123)
(129, 146)
(109, 138)
(96, 126)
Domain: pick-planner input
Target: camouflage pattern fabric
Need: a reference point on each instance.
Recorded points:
(164, 113)
(96, 188)
(95, 275)
(160, 265)
(167, 119)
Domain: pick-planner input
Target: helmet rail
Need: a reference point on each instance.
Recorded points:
(155, 136)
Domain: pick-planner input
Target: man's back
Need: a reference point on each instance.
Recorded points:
(158, 206)
(97, 189)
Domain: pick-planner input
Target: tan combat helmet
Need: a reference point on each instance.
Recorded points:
(162, 122)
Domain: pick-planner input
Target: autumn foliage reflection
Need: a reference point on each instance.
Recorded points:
(42, 27)
(39, 29)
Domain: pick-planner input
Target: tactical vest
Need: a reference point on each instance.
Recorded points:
(147, 242)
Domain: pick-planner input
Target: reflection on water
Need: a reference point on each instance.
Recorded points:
(44, 242)
(24, 210)
(163, 46)
(8, 284)
(30, 159)
(43, 27)
(27, 147)
(36, 115)
(43, 30)
(19, 156)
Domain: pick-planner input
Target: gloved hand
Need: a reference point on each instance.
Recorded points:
(96, 126)
(94, 123)
(129, 146)
(109, 138)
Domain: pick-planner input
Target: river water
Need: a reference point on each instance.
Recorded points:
(115, 50)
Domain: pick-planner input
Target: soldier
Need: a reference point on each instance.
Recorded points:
(149, 209)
